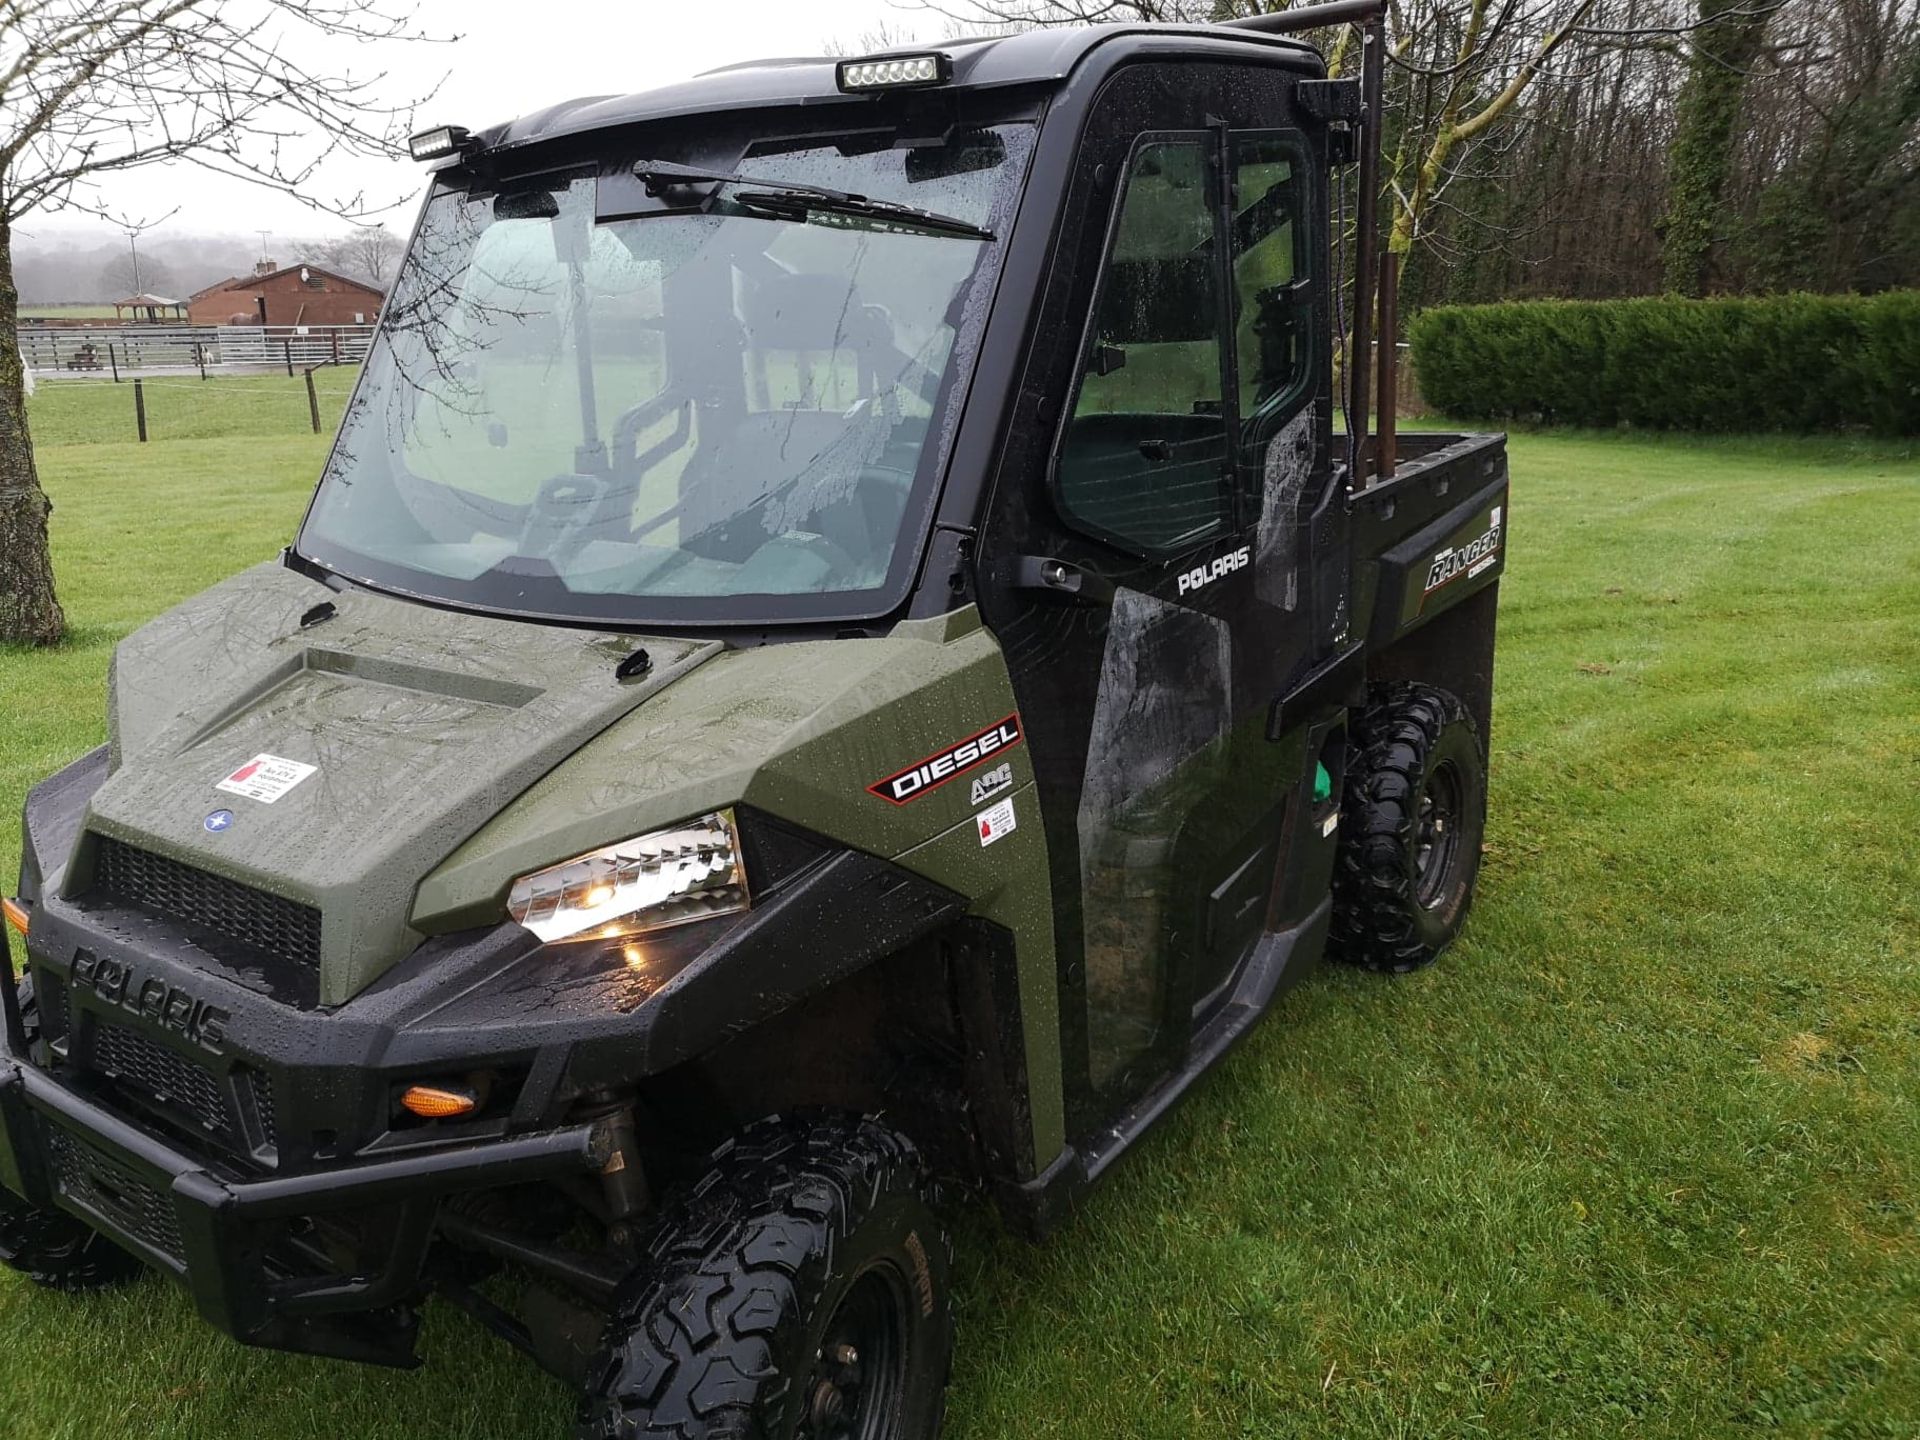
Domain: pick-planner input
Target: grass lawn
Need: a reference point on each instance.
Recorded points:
(182, 406)
(1641, 1156)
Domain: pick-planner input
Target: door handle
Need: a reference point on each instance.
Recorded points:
(1156, 450)
(1061, 578)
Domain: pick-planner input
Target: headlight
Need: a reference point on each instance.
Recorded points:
(670, 877)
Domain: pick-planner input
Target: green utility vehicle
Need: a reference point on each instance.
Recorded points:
(839, 659)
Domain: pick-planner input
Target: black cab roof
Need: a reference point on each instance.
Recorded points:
(1032, 57)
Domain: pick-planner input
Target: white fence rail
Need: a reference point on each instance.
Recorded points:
(52, 349)
(297, 345)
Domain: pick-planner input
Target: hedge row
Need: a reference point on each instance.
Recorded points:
(1789, 362)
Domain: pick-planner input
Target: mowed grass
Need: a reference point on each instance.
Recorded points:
(1640, 1157)
(182, 406)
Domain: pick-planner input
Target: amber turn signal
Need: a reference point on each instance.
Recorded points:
(17, 915)
(439, 1102)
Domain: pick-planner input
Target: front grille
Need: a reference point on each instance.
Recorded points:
(50, 1001)
(109, 1189)
(162, 1076)
(263, 1108)
(253, 918)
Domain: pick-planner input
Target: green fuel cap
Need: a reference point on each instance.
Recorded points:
(1322, 784)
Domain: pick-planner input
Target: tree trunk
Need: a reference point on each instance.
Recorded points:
(29, 610)
(1725, 47)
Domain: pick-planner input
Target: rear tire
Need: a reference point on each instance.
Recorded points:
(50, 1247)
(1412, 817)
(799, 1290)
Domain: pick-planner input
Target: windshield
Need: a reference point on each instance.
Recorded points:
(712, 408)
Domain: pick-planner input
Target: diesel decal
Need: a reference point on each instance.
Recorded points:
(203, 1024)
(941, 766)
(1222, 565)
(1468, 559)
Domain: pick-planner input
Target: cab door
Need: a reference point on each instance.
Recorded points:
(1142, 559)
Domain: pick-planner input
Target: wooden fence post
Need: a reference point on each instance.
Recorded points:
(289, 344)
(140, 409)
(114, 361)
(313, 402)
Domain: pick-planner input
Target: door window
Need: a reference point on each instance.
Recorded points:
(1275, 308)
(1143, 464)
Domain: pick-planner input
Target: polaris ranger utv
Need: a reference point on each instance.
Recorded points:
(837, 652)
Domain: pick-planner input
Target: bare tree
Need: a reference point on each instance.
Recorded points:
(1470, 85)
(368, 252)
(121, 277)
(89, 88)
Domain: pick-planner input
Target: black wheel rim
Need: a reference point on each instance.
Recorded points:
(859, 1375)
(1436, 835)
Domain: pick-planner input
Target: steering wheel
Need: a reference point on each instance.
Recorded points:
(562, 514)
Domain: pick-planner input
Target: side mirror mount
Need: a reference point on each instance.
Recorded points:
(1107, 359)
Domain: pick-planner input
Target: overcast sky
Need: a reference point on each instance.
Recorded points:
(510, 59)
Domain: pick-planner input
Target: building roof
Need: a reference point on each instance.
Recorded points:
(143, 301)
(1033, 56)
(248, 282)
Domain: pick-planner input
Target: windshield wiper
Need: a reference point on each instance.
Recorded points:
(789, 200)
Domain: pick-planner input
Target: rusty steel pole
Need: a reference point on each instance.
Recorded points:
(1389, 369)
(1360, 361)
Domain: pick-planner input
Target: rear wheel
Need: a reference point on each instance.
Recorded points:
(798, 1292)
(1412, 818)
(50, 1247)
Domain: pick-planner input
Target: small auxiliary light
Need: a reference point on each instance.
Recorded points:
(439, 1102)
(440, 142)
(17, 915)
(894, 72)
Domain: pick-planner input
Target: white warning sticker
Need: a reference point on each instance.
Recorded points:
(995, 822)
(266, 778)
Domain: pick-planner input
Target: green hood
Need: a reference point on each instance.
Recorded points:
(421, 725)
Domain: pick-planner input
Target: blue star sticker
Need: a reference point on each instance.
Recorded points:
(219, 820)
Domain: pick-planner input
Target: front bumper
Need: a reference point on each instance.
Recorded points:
(247, 1248)
(240, 1146)
(205, 1112)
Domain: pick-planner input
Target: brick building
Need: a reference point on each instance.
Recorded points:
(293, 295)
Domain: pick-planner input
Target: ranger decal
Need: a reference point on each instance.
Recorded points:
(941, 766)
(1468, 559)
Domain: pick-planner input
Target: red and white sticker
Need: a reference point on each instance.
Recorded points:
(266, 778)
(994, 822)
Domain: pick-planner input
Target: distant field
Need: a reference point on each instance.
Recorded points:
(1639, 1158)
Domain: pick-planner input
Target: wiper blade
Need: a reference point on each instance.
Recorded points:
(793, 201)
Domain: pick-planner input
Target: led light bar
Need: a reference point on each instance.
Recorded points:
(894, 72)
(440, 142)
(670, 877)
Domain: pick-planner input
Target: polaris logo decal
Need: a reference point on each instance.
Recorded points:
(931, 773)
(152, 998)
(1469, 559)
(1222, 565)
